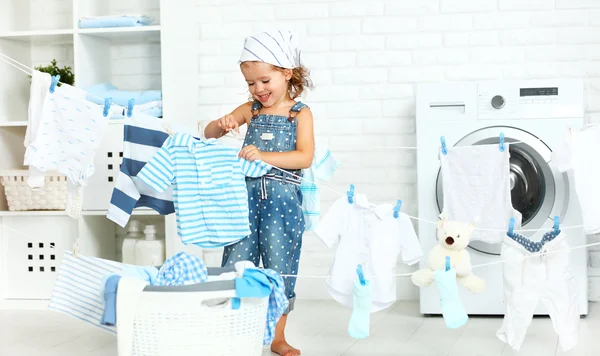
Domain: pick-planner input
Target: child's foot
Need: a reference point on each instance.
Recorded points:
(282, 348)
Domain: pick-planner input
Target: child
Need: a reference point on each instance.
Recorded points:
(280, 133)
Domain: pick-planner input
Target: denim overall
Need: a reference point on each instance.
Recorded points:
(275, 203)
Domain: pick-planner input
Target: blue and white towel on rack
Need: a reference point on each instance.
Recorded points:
(143, 136)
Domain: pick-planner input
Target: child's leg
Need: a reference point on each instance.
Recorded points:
(247, 248)
(281, 227)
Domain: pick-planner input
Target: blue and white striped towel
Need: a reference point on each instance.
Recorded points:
(78, 288)
(143, 137)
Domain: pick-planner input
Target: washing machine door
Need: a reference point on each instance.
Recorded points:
(538, 191)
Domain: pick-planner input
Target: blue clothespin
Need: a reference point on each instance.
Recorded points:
(511, 227)
(444, 148)
(501, 141)
(107, 103)
(361, 276)
(54, 82)
(447, 263)
(556, 225)
(130, 107)
(351, 194)
(397, 209)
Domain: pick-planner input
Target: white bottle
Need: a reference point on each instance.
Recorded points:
(151, 250)
(121, 234)
(134, 235)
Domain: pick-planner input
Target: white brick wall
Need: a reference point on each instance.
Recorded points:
(366, 58)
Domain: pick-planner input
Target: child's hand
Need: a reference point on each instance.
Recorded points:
(227, 123)
(250, 153)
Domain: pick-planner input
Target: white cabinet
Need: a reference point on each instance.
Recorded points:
(34, 32)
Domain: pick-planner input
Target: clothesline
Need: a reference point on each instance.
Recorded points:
(9, 60)
(325, 276)
(474, 266)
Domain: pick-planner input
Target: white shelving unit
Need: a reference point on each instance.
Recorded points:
(34, 32)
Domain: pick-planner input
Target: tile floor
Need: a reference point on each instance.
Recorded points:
(319, 329)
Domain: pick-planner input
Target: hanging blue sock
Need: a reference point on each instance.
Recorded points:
(453, 310)
(360, 320)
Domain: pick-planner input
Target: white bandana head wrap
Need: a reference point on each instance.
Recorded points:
(279, 48)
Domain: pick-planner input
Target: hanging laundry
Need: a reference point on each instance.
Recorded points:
(67, 137)
(142, 138)
(38, 93)
(322, 167)
(576, 152)
(360, 319)
(476, 187)
(181, 269)
(371, 236)
(536, 271)
(452, 307)
(210, 195)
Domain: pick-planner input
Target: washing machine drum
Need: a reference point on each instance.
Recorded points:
(535, 187)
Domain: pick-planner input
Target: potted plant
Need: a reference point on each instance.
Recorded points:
(66, 74)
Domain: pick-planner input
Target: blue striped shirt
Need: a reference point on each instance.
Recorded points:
(142, 138)
(210, 194)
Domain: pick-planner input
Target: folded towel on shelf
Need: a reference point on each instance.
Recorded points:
(97, 93)
(115, 21)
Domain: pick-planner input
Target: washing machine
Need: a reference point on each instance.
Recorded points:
(537, 114)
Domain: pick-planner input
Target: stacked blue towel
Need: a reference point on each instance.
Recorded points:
(115, 21)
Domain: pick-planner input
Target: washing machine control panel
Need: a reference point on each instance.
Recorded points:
(530, 99)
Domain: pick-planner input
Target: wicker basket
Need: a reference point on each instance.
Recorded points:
(20, 197)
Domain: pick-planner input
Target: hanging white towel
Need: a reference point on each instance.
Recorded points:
(40, 87)
(580, 153)
(476, 188)
(69, 132)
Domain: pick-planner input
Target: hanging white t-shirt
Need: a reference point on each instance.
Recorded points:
(579, 152)
(371, 236)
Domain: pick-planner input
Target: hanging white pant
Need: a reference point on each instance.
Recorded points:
(537, 271)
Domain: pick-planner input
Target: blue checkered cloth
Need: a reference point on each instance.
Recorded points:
(181, 269)
(278, 303)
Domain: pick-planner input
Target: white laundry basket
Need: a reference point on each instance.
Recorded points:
(183, 321)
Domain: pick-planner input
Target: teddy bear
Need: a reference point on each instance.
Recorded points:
(453, 238)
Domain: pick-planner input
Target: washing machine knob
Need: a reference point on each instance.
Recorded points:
(498, 102)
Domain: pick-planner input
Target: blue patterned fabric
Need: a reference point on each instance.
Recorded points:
(258, 283)
(533, 246)
(181, 269)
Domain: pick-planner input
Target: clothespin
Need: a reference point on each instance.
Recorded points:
(397, 209)
(556, 225)
(511, 227)
(76, 248)
(54, 82)
(361, 276)
(444, 148)
(447, 263)
(130, 107)
(501, 141)
(351, 194)
(107, 104)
